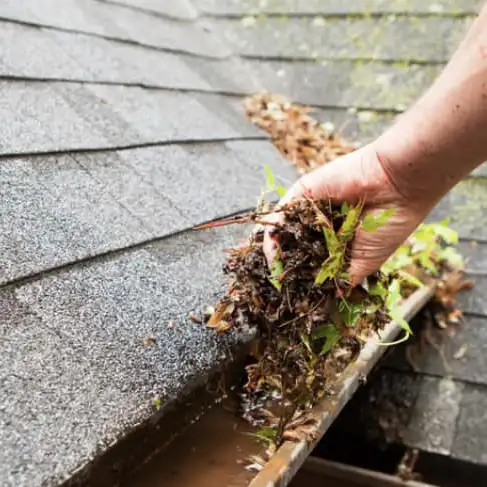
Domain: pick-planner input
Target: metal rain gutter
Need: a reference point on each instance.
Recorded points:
(281, 468)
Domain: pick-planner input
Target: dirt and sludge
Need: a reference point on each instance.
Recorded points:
(212, 452)
(310, 323)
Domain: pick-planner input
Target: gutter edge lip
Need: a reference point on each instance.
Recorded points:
(288, 459)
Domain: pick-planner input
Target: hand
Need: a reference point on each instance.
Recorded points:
(361, 176)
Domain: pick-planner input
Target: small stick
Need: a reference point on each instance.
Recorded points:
(243, 219)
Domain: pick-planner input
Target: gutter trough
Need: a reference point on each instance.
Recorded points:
(214, 450)
(289, 458)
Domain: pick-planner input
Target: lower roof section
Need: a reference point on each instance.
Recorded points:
(87, 352)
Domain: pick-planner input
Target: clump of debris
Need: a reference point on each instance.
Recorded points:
(296, 134)
(429, 254)
(311, 324)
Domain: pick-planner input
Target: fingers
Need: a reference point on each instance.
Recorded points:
(366, 263)
(270, 244)
(370, 250)
(335, 182)
(306, 185)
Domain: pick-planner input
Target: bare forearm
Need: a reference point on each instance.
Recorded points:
(444, 135)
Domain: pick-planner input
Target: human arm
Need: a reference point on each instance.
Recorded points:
(415, 162)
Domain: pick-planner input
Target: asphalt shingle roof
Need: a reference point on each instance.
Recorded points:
(122, 130)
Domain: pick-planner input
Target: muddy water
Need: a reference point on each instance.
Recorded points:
(214, 453)
(211, 453)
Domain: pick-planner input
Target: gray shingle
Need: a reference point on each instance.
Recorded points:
(204, 181)
(433, 419)
(104, 116)
(159, 116)
(170, 34)
(104, 19)
(31, 52)
(182, 9)
(55, 213)
(38, 118)
(74, 15)
(229, 75)
(26, 213)
(87, 378)
(470, 338)
(162, 115)
(465, 205)
(67, 208)
(475, 255)
(27, 51)
(474, 301)
(27, 402)
(90, 217)
(230, 112)
(143, 198)
(104, 60)
(432, 39)
(345, 84)
(201, 181)
(66, 116)
(471, 439)
(247, 7)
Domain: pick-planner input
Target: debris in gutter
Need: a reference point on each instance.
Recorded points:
(149, 340)
(195, 318)
(461, 352)
(405, 469)
(254, 467)
(310, 324)
(306, 142)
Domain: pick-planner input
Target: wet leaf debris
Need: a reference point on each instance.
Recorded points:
(429, 254)
(310, 323)
(298, 136)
